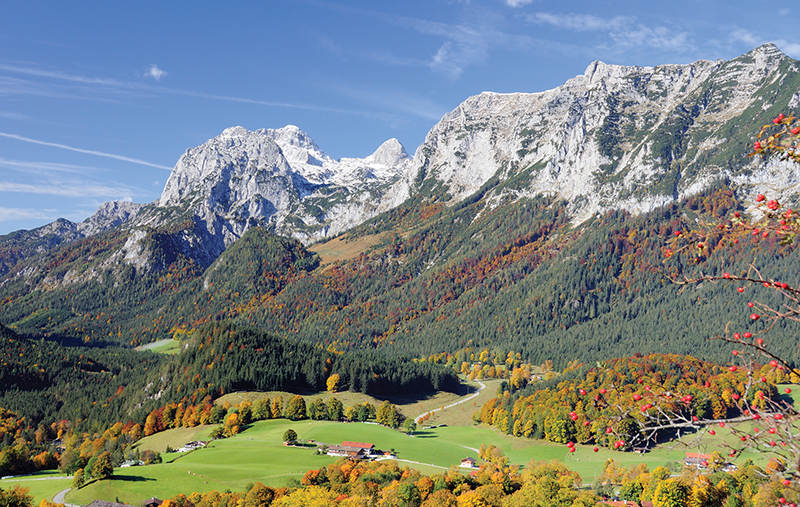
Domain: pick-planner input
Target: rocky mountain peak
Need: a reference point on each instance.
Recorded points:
(390, 153)
(234, 165)
(109, 215)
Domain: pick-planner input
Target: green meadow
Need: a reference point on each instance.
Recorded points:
(258, 453)
(41, 485)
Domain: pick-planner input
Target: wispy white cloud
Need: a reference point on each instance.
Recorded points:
(79, 189)
(466, 43)
(518, 3)
(752, 40)
(81, 150)
(134, 89)
(580, 22)
(624, 32)
(745, 36)
(155, 72)
(463, 43)
(46, 167)
(8, 214)
(790, 48)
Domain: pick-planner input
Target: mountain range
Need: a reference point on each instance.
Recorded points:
(481, 238)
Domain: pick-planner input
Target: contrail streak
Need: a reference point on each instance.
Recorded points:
(80, 150)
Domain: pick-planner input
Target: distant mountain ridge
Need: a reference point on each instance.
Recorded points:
(508, 193)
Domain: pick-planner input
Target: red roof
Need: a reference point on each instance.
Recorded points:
(697, 455)
(358, 444)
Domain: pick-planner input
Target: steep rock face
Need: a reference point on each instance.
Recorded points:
(615, 137)
(109, 215)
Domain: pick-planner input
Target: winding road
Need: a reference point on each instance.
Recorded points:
(463, 400)
(59, 498)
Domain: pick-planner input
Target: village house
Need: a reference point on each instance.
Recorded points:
(468, 463)
(354, 450)
(702, 461)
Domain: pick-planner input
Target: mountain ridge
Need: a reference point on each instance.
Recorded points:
(505, 205)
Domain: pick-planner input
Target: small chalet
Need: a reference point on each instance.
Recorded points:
(367, 447)
(153, 502)
(191, 446)
(468, 463)
(347, 451)
(697, 460)
(355, 450)
(620, 503)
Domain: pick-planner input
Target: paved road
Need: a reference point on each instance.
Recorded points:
(59, 498)
(463, 400)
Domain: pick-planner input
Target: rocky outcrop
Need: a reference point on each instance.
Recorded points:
(616, 137)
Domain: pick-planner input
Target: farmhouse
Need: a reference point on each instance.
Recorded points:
(348, 451)
(468, 463)
(355, 450)
(697, 460)
(191, 446)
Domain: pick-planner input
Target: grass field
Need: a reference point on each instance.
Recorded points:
(258, 454)
(167, 346)
(410, 406)
(338, 249)
(174, 438)
(42, 485)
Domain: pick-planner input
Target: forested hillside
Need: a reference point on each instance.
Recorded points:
(44, 381)
(514, 275)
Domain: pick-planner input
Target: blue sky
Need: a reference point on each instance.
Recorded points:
(99, 99)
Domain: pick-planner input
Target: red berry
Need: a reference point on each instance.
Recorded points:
(722, 425)
(609, 430)
(773, 363)
(570, 444)
(708, 384)
(748, 335)
(751, 304)
(759, 341)
(595, 449)
(735, 352)
(571, 449)
(760, 197)
(712, 432)
(732, 367)
(740, 289)
(755, 316)
(677, 233)
(602, 391)
(787, 482)
(757, 145)
(735, 396)
(726, 275)
(583, 392)
(736, 336)
(778, 417)
(637, 396)
(772, 431)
